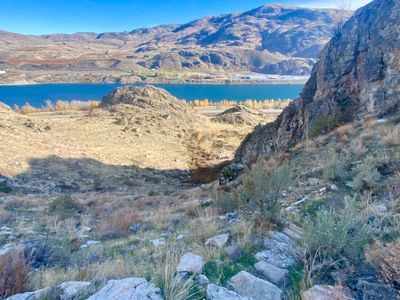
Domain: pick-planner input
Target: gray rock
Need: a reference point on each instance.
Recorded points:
(70, 290)
(190, 262)
(233, 252)
(202, 279)
(280, 237)
(248, 285)
(291, 234)
(218, 241)
(36, 295)
(89, 244)
(158, 242)
(128, 289)
(327, 292)
(278, 254)
(273, 274)
(180, 237)
(135, 228)
(215, 292)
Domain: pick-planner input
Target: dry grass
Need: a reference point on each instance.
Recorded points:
(391, 136)
(386, 259)
(14, 271)
(117, 224)
(59, 106)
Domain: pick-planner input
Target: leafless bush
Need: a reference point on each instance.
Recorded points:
(14, 271)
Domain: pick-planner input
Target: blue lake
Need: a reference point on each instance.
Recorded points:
(36, 95)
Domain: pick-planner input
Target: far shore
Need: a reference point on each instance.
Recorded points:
(239, 82)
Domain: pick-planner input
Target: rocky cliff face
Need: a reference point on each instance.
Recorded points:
(358, 74)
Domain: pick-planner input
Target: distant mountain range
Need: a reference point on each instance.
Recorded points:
(271, 39)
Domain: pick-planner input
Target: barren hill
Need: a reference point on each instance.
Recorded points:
(271, 39)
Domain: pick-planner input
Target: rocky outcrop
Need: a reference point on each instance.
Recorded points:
(358, 74)
(128, 289)
(248, 285)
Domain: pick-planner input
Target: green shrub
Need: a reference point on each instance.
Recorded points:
(262, 187)
(226, 202)
(64, 206)
(335, 168)
(318, 127)
(366, 175)
(337, 235)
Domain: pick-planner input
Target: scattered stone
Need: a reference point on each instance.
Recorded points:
(327, 292)
(280, 237)
(248, 285)
(191, 262)
(202, 280)
(36, 295)
(218, 241)
(180, 237)
(233, 252)
(89, 244)
(215, 292)
(291, 233)
(70, 290)
(314, 181)
(273, 274)
(206, 202)
(276, 258)
(158, 242)
(128, 289)
(323, 190)
(334, 187)
(135, 228)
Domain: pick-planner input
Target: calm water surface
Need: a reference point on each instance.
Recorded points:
(36, 95)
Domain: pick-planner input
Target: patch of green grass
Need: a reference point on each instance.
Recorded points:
(295, 281)
(220, 272)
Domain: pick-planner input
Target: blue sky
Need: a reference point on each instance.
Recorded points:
(69, 16)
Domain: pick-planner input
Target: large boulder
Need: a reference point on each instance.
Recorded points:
(248, 285)
(272, 273)
(36, 295)
(128, 289)
(190, 262)
(327, 292)
(357, 75)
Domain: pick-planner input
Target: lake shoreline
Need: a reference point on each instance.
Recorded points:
(38, 94)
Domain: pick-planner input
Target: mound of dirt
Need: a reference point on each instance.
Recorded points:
(240, 115)
(148, 105)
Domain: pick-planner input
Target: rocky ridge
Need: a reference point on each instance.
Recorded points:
(357, 75)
